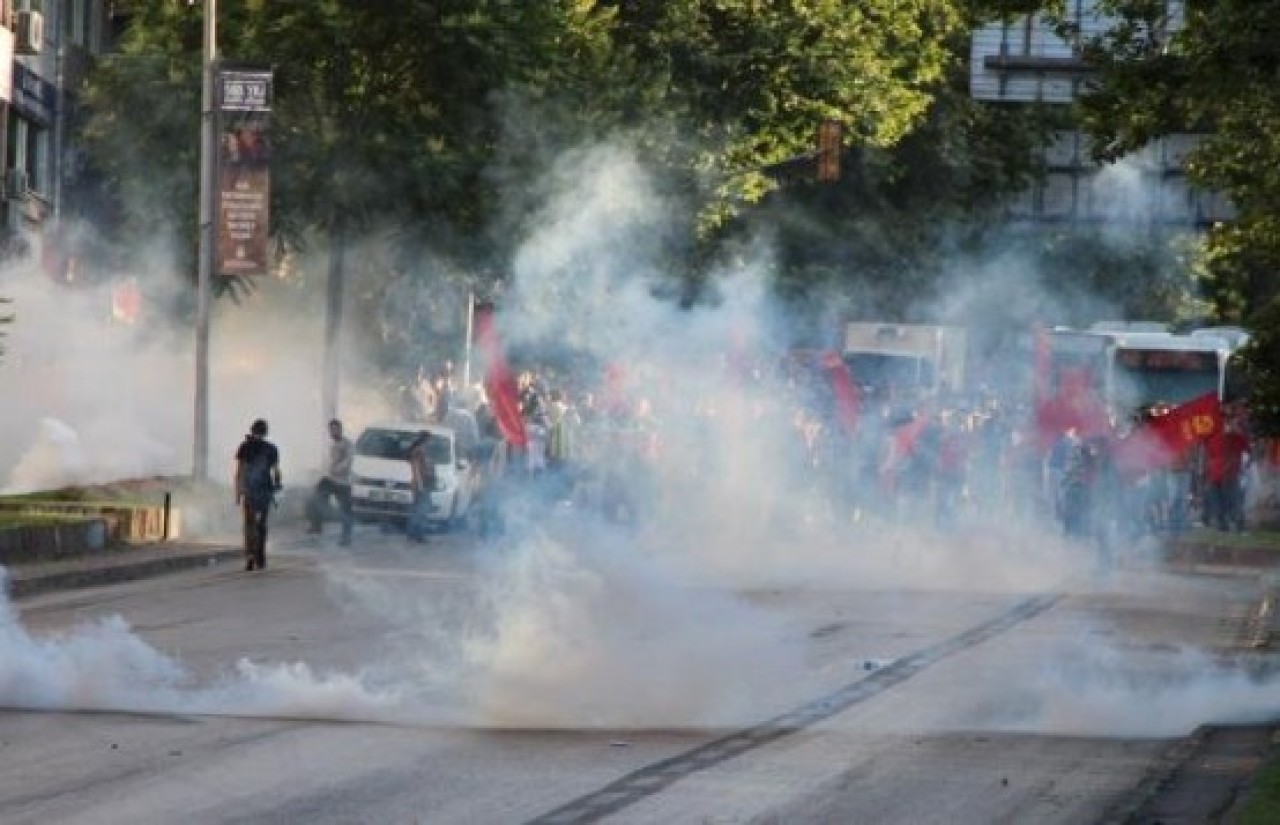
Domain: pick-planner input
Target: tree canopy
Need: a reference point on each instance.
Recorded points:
(1212, 71)
(427, 123)
(400, 112)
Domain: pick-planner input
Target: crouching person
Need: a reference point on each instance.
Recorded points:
(336, 485)
(423, 480)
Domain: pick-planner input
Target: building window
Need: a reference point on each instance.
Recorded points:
(29, 151)
(76, 22)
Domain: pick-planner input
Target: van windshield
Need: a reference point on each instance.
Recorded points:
(395, 444)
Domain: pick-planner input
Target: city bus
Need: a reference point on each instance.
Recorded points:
(1132, 370)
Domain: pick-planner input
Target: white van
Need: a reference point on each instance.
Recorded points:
(381, 487)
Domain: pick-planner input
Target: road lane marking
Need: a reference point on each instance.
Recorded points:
(655, 778)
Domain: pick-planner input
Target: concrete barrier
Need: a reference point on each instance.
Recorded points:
(53, 542)
(125, 523)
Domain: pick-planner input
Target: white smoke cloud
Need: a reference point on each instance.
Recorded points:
(104, 665)
(1105, 690)
(575, 620)
(105, 401)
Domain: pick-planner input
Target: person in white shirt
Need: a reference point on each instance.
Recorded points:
(336, 484)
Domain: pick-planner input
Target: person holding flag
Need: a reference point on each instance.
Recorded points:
(1166, 440)
(1225, 456)
(1167, 434)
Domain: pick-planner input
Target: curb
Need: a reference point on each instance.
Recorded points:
(1262, 626)
(1201, 778)
(36, 583)
(1159, 779)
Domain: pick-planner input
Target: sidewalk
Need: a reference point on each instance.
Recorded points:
(209, 517)
(115, 566)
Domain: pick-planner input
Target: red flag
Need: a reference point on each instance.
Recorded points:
(1164, 439)
(126, 301)
(1075, 405)
(499, 382)
(846, 393)
(1224, 454)
(906, 435)
(1043, 365)
(1184, 425)
(614, 396)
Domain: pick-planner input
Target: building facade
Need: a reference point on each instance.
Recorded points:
(45, 50)
(1027, 60)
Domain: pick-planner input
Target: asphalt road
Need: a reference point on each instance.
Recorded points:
(454, 683)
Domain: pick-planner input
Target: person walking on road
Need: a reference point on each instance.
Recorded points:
(423, 470)
(257, 480)
(336, 484)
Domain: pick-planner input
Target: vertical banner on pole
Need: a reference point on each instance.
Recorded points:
(244, 171)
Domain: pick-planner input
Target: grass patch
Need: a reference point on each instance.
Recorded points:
(142, 493)
(1263, 804)
(9, 521)
(93, 496)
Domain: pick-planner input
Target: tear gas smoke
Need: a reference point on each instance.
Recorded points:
(104, 401)
(579, 619)
(1102, 690)
(105, 666)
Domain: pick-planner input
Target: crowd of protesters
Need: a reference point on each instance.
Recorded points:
(901, 456)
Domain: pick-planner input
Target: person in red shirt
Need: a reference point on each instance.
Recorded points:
(1225, 455)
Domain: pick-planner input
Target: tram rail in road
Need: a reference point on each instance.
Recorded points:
(653, 779)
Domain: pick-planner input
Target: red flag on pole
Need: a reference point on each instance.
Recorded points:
(499, 381)
(1186, 424)
(1164, 439)
(1074, 405)
(842, 386)
(906, 435)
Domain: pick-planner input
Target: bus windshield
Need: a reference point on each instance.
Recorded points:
(881, 372)
(1147, 376)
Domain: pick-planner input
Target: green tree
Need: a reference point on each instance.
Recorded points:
(747, 83)
(1260, 360)
(886, 234)
(1212, 73)
(426, 124)
(399, 114)
(384, 111)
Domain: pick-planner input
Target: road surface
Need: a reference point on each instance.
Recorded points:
(531, 682)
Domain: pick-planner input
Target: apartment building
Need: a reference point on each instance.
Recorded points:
(1026, 60)
(45, 50)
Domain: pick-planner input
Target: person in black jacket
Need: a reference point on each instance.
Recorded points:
(257, 480)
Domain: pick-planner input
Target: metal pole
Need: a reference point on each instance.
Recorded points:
(333, 319)
(466, 360)
(204, 287)
(59, 123)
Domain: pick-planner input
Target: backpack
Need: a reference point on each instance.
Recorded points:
(259, 486)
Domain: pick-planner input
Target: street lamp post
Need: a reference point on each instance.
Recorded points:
(204, 288)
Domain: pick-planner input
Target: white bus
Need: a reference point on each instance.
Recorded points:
(888, 359)
(1135, 369)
